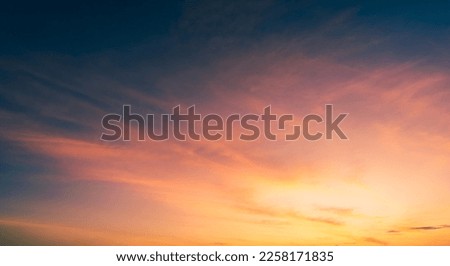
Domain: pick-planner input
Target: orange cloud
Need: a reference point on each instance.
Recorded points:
(392, 173)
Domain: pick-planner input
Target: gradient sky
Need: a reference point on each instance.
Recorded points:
(64, 65)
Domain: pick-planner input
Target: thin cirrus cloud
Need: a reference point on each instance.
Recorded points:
(61, 181)
(430, 227)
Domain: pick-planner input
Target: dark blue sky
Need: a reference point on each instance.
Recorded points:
(87, 51)
(77, 28)
(56, 50)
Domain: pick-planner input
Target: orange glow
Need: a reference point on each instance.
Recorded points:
(387, 185)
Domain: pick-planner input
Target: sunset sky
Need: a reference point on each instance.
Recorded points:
(63, 66)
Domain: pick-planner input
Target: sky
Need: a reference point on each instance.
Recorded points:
(64, 65)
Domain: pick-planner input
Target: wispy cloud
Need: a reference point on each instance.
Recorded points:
(425, 228)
